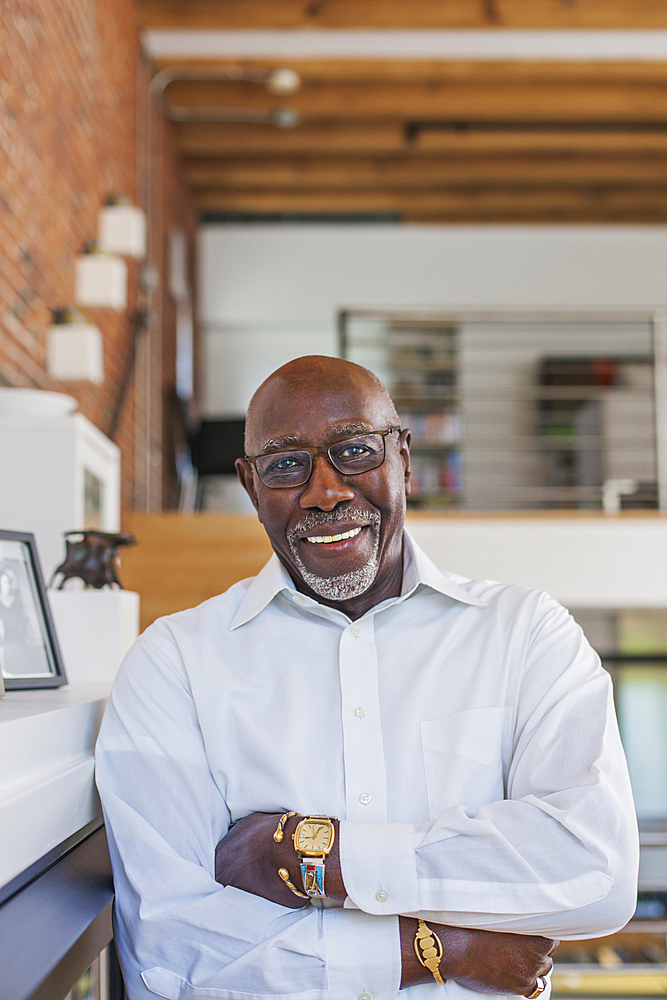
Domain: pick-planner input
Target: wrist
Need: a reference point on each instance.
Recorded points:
(328, 861)
(412, 973)
(335, 887)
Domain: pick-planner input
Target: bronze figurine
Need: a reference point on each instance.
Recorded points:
(92, 556)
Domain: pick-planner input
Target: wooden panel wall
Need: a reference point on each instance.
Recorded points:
(181, 561)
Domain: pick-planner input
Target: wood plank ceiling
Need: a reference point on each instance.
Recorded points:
(427, 141)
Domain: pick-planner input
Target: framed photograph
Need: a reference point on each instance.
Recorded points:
(29, 653)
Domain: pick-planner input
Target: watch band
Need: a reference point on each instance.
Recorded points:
(312, 877)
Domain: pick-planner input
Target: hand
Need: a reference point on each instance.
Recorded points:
(249, 858)
(485, 961)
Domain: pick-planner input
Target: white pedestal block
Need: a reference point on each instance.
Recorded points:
(75, 351)
(101, 281)
(122, 229)
(95, 629)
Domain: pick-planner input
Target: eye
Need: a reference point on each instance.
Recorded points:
(284, 463)
(354, 450)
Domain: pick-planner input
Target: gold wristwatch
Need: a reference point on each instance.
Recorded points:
(313, 840)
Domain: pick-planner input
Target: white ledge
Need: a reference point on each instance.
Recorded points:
(47, 787)
(584, 562)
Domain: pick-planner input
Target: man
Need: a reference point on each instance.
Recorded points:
(413, 778)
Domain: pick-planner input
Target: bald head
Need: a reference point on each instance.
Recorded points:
(307, 380)
(305, 421)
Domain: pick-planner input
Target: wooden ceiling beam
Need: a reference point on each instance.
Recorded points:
(415, 14)
(557, 143)
(483, 200)
(348, 173)
(469, 102)
(517, 214)
(208, 139)
(263, 140)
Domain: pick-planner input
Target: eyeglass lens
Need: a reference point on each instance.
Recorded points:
(293, 468)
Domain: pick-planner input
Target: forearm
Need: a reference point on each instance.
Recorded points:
(557, 856)
(483, 961)
(261, 845)
(469, 872)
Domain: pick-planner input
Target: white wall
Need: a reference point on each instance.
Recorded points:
(270, 293)
(587, 562)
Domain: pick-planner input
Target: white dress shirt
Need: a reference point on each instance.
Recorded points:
(463, 732)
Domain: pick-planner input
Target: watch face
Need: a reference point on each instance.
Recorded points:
(314, 836)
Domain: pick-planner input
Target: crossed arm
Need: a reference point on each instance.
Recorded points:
(248, 858)
(556, 857)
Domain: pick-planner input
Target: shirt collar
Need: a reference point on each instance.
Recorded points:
(271, 580)
(418, 570)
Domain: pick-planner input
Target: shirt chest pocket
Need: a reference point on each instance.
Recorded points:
(463, 758)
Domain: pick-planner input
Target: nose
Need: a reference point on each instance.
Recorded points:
(326, 487)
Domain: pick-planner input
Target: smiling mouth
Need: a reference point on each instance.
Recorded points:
(328, 539)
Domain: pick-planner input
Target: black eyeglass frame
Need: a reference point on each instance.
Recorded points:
(323, 449)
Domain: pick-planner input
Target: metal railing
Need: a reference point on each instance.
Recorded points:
(555, 410)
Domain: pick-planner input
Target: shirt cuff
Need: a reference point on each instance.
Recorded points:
(378, 866)
(363, 955)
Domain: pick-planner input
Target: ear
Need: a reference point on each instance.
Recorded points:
(404, 451)
(245, 473)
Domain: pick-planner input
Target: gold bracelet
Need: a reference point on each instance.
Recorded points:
(280, 831)
(284, 874)
(431, 950)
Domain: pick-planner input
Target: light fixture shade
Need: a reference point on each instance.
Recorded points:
(122, 230)
(101, 281)
(75, 352)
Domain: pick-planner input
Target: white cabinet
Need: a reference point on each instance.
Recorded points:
(57, 473)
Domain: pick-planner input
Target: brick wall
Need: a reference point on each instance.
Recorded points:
(74, 126)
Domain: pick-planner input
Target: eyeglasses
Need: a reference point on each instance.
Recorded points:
(284, 469)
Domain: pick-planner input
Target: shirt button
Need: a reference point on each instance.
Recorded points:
(356, 632)
(382, 896)
(298, 599)
(360, 711)
(364, 996)
(365, 798)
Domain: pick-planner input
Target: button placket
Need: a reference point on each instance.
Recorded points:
(365, 780)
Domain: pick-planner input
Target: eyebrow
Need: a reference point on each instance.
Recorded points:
(335, 431)
(272, 444)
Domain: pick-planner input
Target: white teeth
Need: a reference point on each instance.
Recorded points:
(327, 539)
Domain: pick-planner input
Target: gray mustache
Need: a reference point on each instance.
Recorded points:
(335, 516)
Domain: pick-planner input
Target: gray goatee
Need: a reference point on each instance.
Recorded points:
(346, 585)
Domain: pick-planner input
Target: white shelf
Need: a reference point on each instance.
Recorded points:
(47, 787)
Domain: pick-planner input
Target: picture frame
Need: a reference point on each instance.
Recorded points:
(29, 652)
